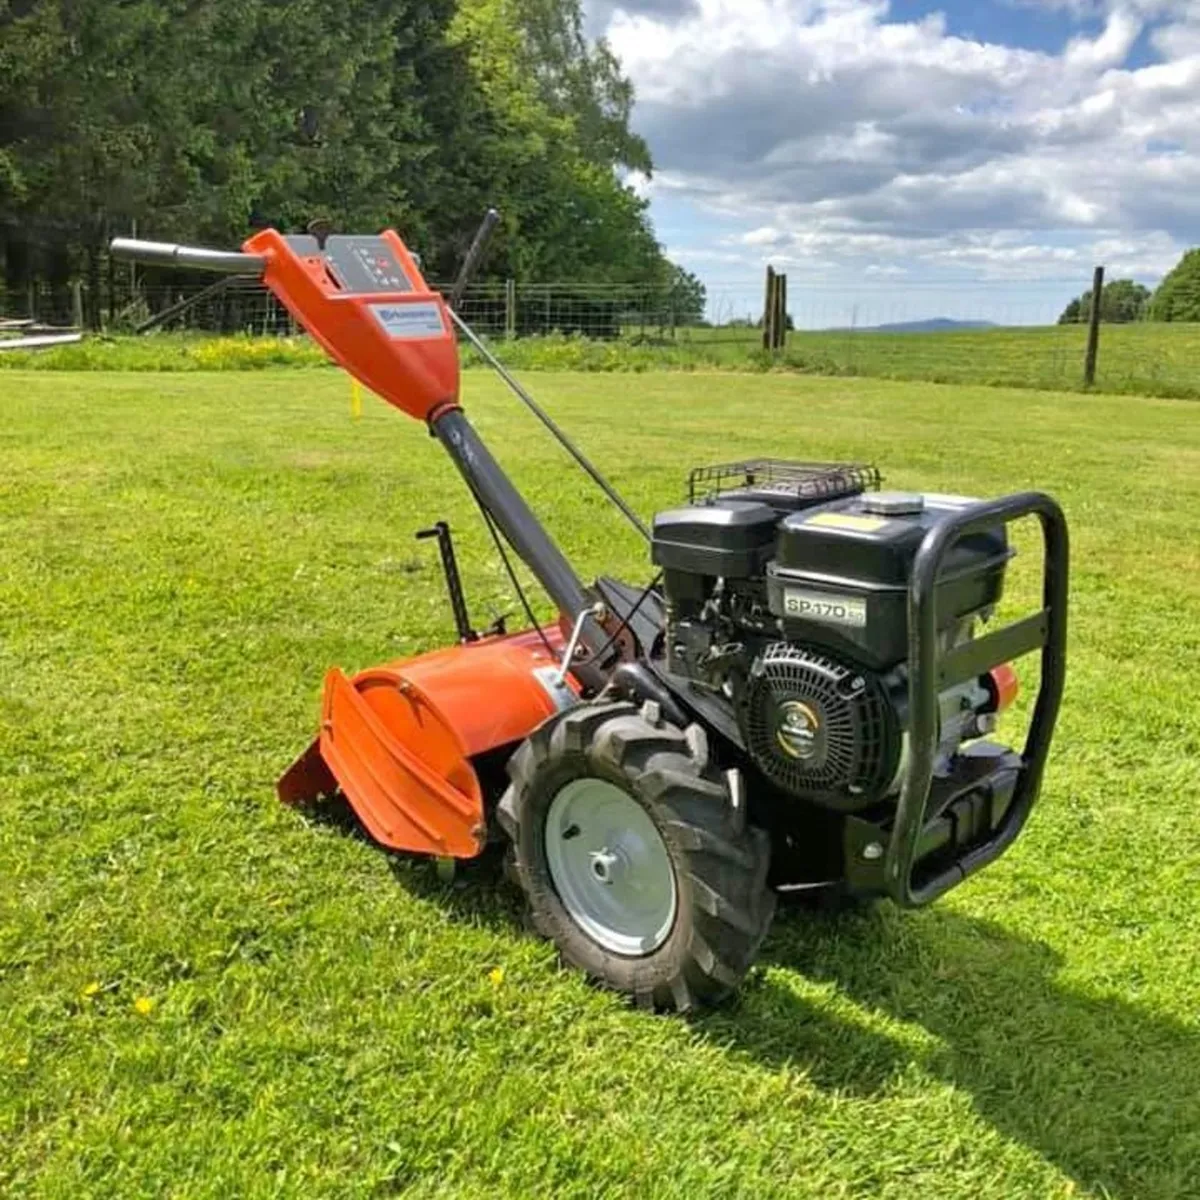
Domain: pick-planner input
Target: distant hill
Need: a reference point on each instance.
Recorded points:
(932, 325)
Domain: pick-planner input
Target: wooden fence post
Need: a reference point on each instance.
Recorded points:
(510, 308)
(1093, 342)
(768, 337)
(77, 303)
(781, 329)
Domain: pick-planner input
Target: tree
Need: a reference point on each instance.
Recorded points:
(552, 135)
(202, 122)
(1178, 296)
(1121, 301)
(686, 296)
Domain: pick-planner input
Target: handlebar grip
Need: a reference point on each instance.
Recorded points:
(483, 235)
(224, 262)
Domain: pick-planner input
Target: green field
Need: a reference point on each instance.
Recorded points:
(1146, 359)
(1158, 359)
(204, 994)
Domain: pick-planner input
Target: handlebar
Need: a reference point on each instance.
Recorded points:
(224, 262)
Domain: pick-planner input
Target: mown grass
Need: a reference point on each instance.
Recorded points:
(1146, 359)
(204, 994)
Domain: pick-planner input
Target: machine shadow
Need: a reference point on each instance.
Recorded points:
(479, 891)
(1091, 1083)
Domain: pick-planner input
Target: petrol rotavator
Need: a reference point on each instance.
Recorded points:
(801, 700)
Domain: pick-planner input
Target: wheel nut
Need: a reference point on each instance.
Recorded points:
(603, 864)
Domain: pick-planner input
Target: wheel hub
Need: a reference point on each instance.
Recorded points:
(605, 865)
(610, 867)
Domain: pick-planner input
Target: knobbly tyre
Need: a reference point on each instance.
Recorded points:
(802, 699)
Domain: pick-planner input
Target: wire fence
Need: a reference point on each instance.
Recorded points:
(947, 329)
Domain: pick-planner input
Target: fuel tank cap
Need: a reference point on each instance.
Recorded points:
(893, 504)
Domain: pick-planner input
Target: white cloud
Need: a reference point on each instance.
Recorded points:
(831, 132)
(1111, 48)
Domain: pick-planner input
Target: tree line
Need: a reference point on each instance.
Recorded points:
(1177, 298)
(203, 120)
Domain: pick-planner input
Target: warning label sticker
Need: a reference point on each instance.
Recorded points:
(830, 520)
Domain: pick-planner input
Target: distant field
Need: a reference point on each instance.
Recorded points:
(1152, 358)
(203, 994)
(1155, 360)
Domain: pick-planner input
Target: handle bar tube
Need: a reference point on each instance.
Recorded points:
(168, 254)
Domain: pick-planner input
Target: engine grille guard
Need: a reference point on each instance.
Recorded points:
(1006, 785)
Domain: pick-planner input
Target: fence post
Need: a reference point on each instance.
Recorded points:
(1093, 342)
(781, 328)
(77, 303)
(768, 337)
(510, 308)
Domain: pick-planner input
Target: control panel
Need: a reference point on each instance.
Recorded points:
(364, 300)
(358, 264)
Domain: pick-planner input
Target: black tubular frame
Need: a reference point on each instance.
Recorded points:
(930, 673)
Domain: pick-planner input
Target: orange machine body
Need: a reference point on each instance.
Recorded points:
(364, 300)
(399, 740)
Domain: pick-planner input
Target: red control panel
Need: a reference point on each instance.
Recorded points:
(364, 300)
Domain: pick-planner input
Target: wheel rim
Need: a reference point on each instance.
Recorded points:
(610, 867)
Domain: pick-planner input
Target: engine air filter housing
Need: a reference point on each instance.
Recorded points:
(819, 728)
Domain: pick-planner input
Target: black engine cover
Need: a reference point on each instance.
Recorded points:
(840, 575)
(820, 729)
(731, 539)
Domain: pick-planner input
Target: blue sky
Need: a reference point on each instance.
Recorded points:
(906, 159)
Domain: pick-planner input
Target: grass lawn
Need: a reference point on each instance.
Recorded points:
(205, 994)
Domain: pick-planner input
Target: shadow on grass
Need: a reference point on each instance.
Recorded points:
(478, 892)
(1104, 1090)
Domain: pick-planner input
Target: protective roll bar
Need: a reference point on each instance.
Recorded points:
(168, 254)
(930, 673)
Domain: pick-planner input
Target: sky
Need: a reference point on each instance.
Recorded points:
(905, 160)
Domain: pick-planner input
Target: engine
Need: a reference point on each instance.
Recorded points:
(786, 589)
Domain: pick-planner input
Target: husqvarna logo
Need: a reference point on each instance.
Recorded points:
(422, 319)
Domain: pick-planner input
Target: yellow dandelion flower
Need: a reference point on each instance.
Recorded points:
(91, 990)
(496, 975)
(144, 1005)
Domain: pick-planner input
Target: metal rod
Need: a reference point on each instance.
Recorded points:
(548, 421)
(181, 306)
(597, 611)
(168, 254)
(524, 532)
(458, 601)
(483, 235)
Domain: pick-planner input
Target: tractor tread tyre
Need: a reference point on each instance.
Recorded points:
(724, 905)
